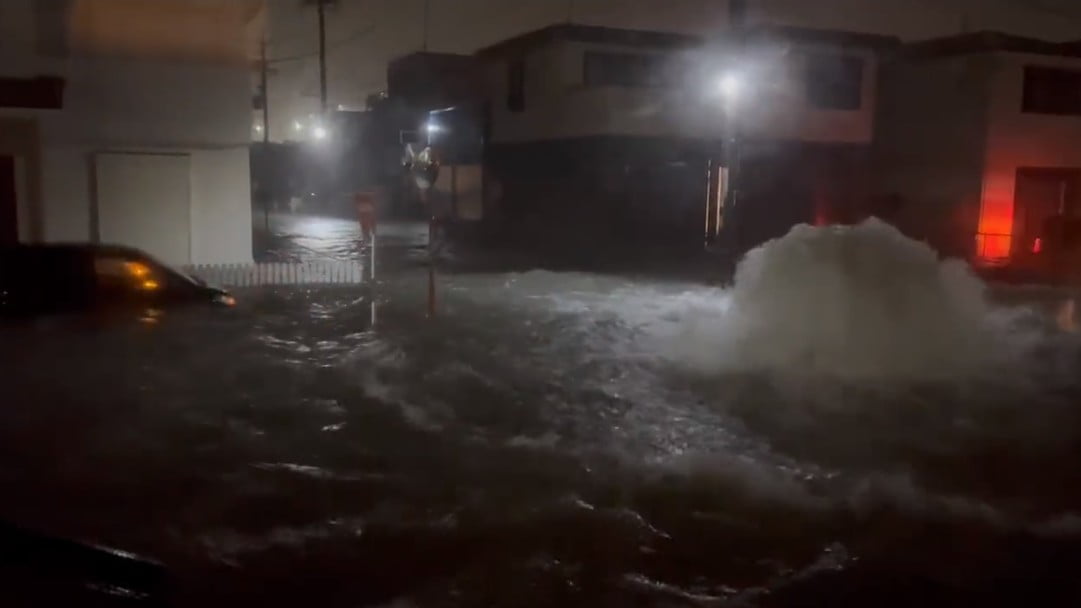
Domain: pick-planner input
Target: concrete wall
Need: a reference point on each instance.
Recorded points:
(928, 150)
(144, 200)
(20, 138)
(68, 183)
(17, 34)
(1016, 139)
(120, 102)
(559, 105)
(133, 105)
(136, 106)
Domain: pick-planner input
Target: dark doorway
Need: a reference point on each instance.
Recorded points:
(1043, 198)
(9, 219)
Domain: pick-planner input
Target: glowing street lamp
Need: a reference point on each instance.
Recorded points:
(319, 132)
(432, 128)
(731, 87)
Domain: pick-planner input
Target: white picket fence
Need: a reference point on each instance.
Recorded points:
(322, 272)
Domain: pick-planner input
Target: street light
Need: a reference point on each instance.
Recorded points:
(731, 87)
(431, 128)
(319, 132)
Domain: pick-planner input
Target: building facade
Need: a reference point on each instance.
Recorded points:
(128, 122)
(979, 143)
(630, 134)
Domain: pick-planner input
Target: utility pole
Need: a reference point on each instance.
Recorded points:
(263, 78)
(321, 7)
(737, 19)
(265, 99)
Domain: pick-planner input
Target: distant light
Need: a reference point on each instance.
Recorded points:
(433, 127)
(297, 126)
(730, 87)
(319, 132)
(258, 128)
(150, 285)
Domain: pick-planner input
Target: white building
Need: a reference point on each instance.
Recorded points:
(980, 142)
(126, 121)
(620, 128)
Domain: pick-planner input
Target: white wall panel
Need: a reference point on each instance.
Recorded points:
(144, 200)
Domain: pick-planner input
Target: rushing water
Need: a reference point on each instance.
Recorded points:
(853, 423)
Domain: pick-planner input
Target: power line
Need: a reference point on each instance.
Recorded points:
(330, 47)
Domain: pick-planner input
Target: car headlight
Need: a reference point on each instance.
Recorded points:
(225, 299)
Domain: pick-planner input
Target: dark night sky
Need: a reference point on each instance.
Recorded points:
(364, 34)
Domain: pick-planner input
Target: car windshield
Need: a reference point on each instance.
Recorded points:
(540, 302)
(182, 274)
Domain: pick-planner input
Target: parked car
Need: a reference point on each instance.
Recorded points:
(39, 280)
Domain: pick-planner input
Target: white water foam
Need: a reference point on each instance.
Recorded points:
(856, 302)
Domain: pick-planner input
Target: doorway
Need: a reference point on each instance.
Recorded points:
(1041, 197)
(9, 216)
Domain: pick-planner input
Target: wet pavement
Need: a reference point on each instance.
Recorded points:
(296, 238)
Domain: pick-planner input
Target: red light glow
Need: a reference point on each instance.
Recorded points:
(1037, 245)
(995, 230)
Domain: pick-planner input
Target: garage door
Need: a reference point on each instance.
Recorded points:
(144, 200)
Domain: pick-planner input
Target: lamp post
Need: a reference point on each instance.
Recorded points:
(732, 89)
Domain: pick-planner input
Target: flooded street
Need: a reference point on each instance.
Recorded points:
(878, 432)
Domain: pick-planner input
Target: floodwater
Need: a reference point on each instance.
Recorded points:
(851, 424)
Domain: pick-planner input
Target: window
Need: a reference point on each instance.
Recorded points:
(516, 85)
(834, 82)
(627, 70)
(118, 273)
(1051, 91)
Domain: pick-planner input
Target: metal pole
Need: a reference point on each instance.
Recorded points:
(371, 273)
(431, 268)
(263, 78)
(737, 17)
(321, 4)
